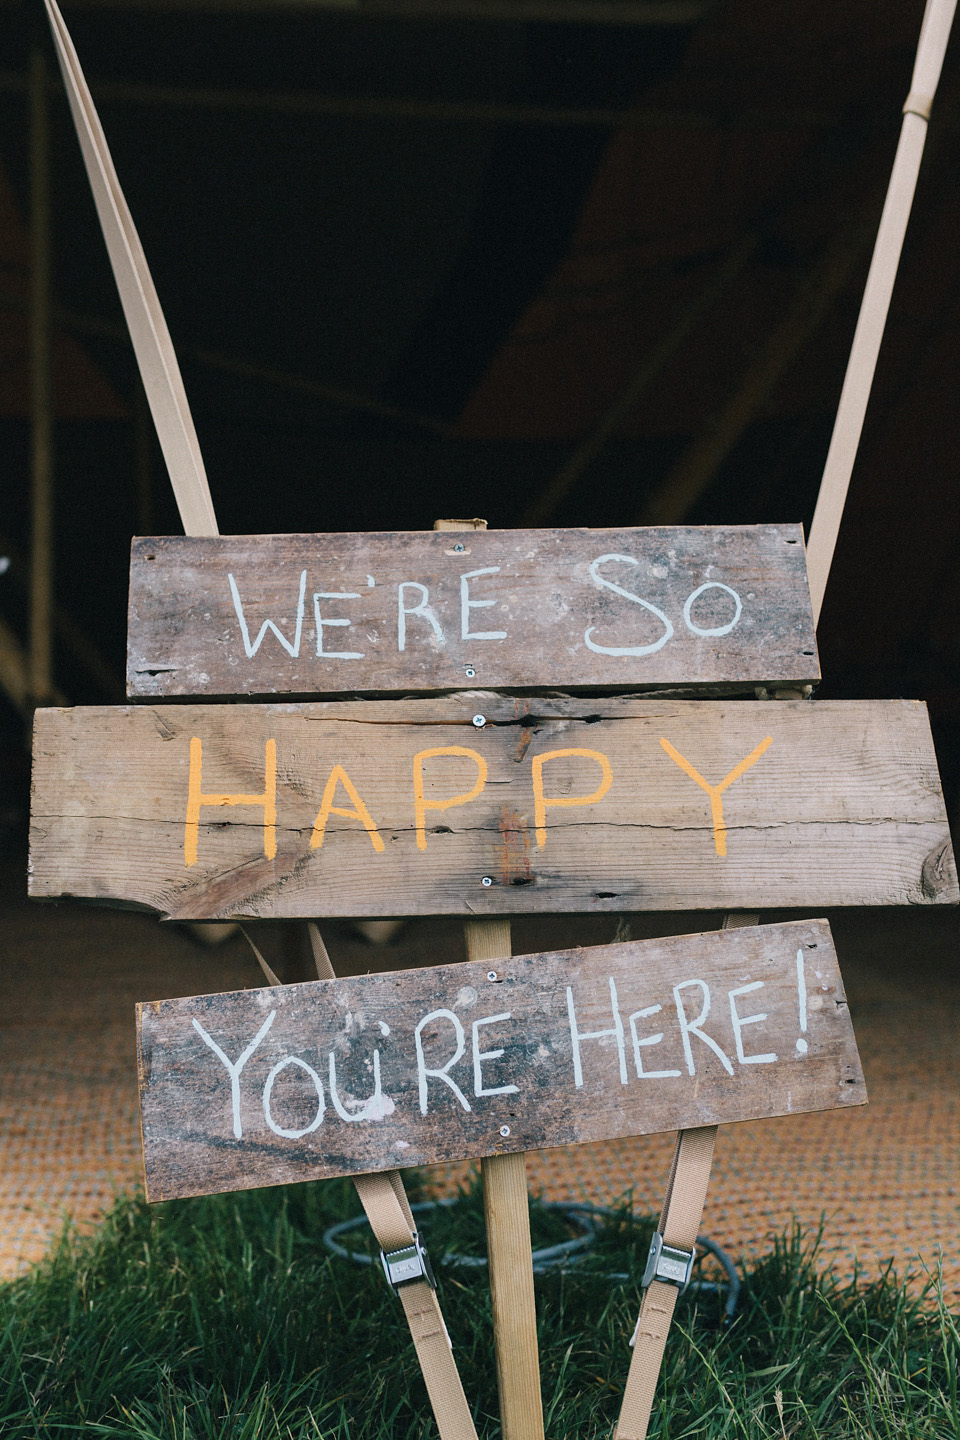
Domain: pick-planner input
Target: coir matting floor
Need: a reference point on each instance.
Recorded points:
(886, 1178)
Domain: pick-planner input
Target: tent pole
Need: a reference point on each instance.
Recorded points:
(41, 390)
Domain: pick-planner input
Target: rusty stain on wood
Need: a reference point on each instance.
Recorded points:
(375, 1072)
(515, 853)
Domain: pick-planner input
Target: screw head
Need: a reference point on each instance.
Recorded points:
(459, 547)
(469, 671)
(486, 882)
(479, 721)
(492, 975)
(504, 1131)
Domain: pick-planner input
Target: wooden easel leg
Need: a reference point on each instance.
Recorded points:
(511, 1294)
(509, 1251)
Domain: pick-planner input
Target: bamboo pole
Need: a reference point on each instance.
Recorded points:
(41, 391)
(871, 322)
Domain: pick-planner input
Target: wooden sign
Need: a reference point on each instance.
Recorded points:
(434, 807)
(341, 1077)
(302, 615)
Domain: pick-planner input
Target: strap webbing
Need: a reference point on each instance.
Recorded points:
(148, 329)
(679, 1224)
(934, 33)
(388, 1211)
(385, 1202)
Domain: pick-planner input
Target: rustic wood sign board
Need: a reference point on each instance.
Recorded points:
(342, 1077)
(300, 810)
(287, 615)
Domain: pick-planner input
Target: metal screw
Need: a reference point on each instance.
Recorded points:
(479, 721)
(504, 1131)
(469, 671)
(459, 547)
(486, 881)
(492, 975)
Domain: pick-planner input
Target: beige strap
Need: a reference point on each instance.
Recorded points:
(388, 1210)
(679, 1224)
(148, 330)
(934, 33)
(385, 1202)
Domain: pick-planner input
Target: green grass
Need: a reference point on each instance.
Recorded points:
(225, 1319)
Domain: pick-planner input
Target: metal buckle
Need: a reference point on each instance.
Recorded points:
(410, 1263)
(668, 1264)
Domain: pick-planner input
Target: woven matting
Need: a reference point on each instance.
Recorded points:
(887, 1178)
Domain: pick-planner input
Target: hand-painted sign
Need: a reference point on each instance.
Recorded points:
(285, 615)
(347, 1076)
(489, 806)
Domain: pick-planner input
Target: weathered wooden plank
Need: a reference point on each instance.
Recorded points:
(298, 615)
(342, 1077)
(410, 807)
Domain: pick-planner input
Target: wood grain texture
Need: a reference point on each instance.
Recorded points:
(507, 1222)
(531, 614)
(506, 1214)
(451, 1104)
(842, 807)
(509, 1247)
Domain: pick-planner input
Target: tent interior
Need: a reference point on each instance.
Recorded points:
(549, 262)
(572, 262)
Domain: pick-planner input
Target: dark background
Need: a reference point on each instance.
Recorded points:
(410, 260)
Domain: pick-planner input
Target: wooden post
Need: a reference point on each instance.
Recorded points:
(41, 391)
(507, 1218)
(509, 1250)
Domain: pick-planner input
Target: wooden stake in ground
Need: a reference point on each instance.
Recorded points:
(509, 1251)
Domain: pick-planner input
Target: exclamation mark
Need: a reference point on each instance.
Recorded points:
(802, 997)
